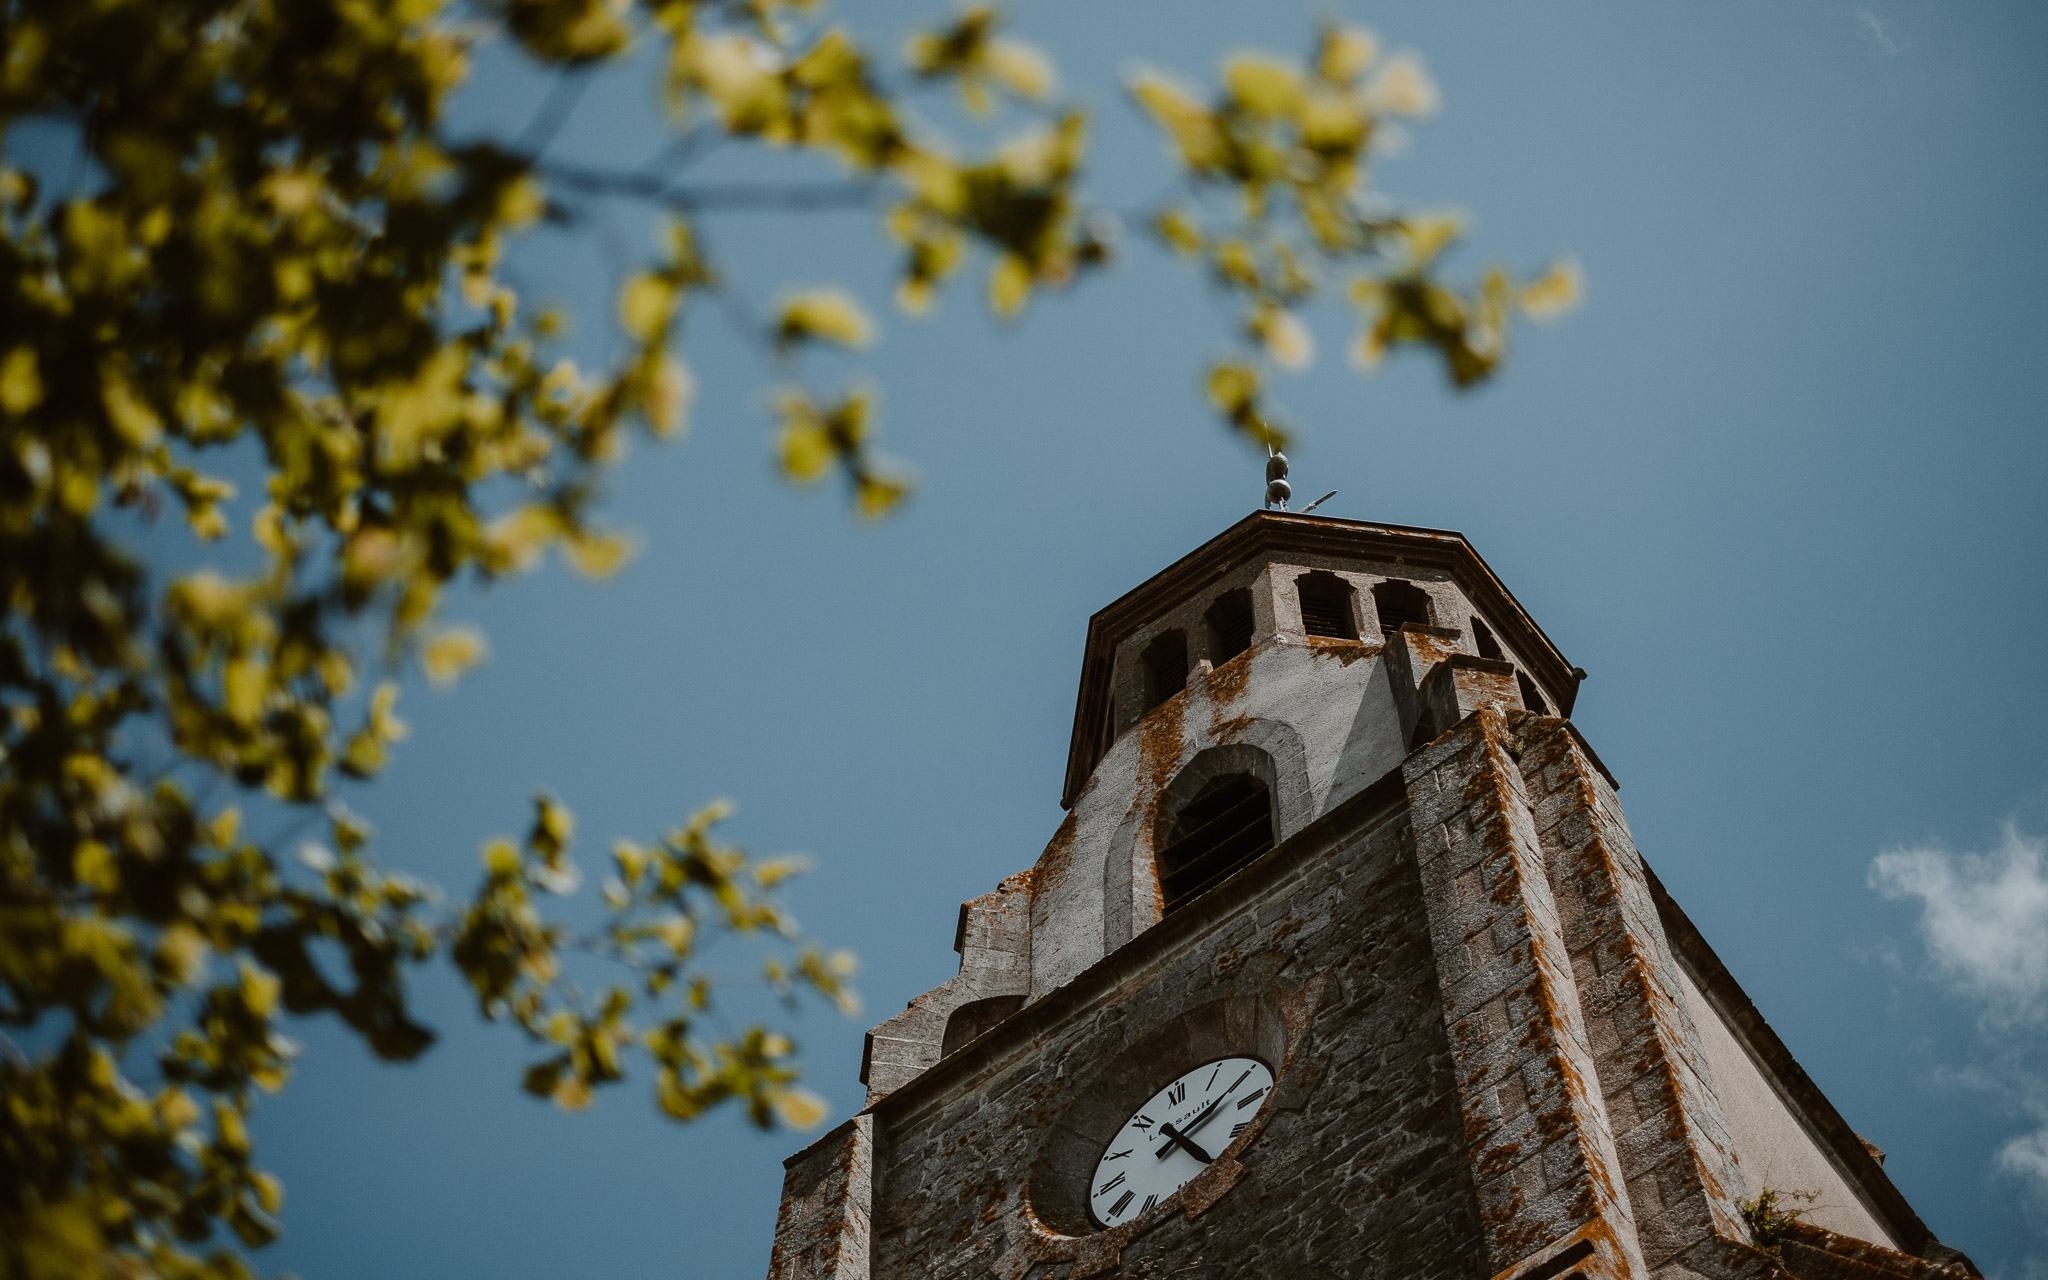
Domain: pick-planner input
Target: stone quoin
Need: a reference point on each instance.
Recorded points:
(1330, 826)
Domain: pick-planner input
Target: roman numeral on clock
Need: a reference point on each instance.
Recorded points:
(1149, 1202)
(1178, 1094)
(1250, 1098)
(1121, 1201)
(1109, 1186)
(1116, 1155)
(1240, 1127)
(1143, 1122)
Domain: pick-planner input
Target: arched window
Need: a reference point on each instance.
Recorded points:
(1226, 825)
(1166, 667)
(1397, 602)
(1230, 624)
(971, 1020)
(1482, 635)
(1532, 697)
(1325, 605)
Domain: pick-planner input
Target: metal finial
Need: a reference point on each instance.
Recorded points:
(1277, 488)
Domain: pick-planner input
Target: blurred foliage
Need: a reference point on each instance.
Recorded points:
(1285, 149)
(272, 256)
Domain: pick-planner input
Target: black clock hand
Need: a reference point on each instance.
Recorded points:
(1175, 1136)
(1181, 1136)
(1209, 1111)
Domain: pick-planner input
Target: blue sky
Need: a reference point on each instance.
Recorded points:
(1776, 486)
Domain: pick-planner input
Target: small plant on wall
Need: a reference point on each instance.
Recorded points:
(1772, 1214)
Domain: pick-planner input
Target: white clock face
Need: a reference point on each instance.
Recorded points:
(1174, 1136)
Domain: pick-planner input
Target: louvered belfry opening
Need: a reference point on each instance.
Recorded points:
(1230, 619)
(1532, 697)
(1483, 637)
(1225, 826)
(1325, 605)
(1166, 667)
(1397, 602)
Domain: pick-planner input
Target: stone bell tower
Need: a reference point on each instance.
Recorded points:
(1338, 869)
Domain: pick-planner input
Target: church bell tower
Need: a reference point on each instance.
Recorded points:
(1343, 965)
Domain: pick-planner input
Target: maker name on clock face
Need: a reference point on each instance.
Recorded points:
(1175, 1135)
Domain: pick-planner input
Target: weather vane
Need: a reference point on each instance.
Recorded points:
(1277, 488)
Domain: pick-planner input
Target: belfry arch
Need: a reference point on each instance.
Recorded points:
(1134, 896)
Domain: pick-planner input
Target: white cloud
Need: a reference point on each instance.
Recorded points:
(2027, 1157)
(1877, 31)
(1984, 918)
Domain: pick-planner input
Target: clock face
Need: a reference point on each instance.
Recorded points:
(1175, 1135)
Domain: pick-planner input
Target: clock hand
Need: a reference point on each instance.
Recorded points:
(1181, 1136)
(1175, 1136)
(1209, 1112)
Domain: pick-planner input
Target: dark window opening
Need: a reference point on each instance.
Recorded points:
(1229, 823)
(1483, 637)
(1325, 605)
(1532, 697)
(1166, 667)
(1397, 602)
(1230, 621)
(975, 1018)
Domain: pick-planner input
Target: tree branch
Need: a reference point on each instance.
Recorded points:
(554, 111)
(795, 197)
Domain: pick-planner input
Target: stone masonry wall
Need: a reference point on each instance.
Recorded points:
(821, 1232)
(1360, 1169)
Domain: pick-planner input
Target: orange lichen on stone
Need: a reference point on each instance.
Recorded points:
(1233, 729)
(1058, 852)
(1227, 682)
(1498, 1160)
(1161, 736)
(1812, 1252)
(1343, 650)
